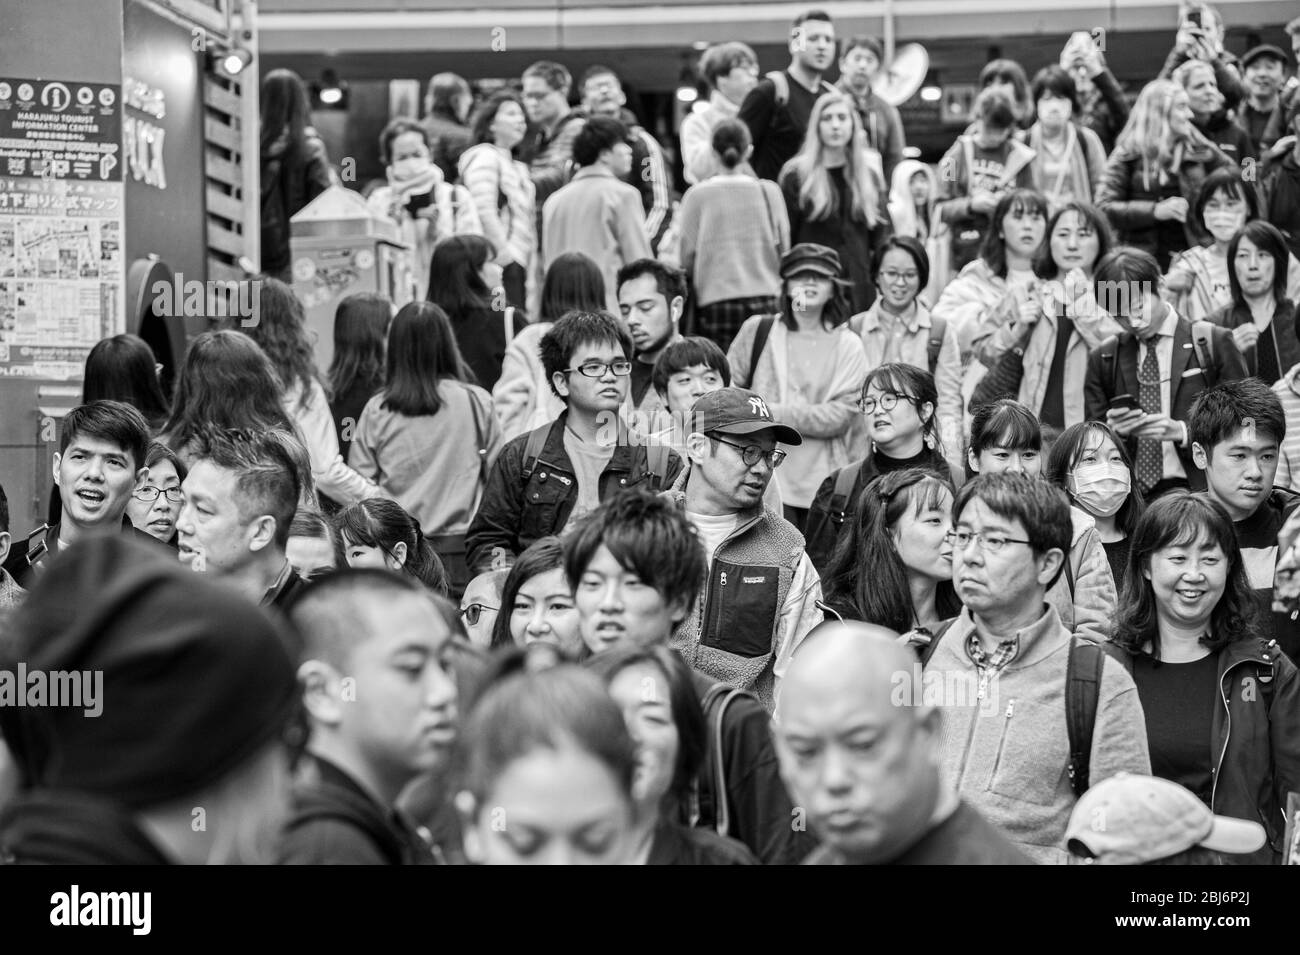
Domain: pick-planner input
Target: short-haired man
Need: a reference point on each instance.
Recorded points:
(1005, 744)
(762, 590)
(1263, 114)
(1237, 429)
(446, 106)
(778, 108)
(102, 449)
(11, 594)
(636, 566)
(861, 758)
(1159, 364)
(546, 479)
(651, 300)
(240, 498)
(597, 213)
(550, 147)
(380, 696)
(602, 95)
(731, 71)
(861, 60)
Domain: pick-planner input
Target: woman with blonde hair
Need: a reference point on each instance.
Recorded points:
(1155, 172)
(833, 197)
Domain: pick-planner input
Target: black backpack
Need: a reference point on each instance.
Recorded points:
(1083, 674)
(711, 808)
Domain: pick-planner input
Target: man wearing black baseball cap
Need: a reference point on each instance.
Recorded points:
(1263, 114)
(761, 593)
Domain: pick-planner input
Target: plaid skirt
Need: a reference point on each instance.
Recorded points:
(721, 321)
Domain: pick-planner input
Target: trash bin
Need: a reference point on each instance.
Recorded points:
(339, 248)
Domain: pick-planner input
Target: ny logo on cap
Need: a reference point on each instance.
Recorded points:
(759, 408)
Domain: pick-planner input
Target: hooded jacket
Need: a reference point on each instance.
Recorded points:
(902, 207)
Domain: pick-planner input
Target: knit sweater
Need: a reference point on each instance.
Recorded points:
(1007, 754)
(734, 230)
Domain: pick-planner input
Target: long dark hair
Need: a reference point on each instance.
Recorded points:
(911, 381)
(866, 571)
(422, 351)
(1181, 519)
(480, 125)
(544, 554)
(683, 705)
(1045, 266)
(122, 368)
(1064, 458)
(993, 250)
(379, 522)
(1268, 239)
(226, 381)
(455, 284)
(360, 326)
(281, 331)
(284, 108)
(573, 283)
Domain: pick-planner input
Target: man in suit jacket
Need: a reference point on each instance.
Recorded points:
(1162, 362)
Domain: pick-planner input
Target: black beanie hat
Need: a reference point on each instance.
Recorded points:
(195, 680)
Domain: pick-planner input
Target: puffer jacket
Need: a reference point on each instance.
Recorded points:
(1129, 197)
(1256, 741)
(522, 397)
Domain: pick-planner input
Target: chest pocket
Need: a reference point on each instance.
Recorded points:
(742, 608)
(544, 495)
(1026, 763)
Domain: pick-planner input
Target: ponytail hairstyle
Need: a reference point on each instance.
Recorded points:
(866, 570)
(379, 522)
(731, 141)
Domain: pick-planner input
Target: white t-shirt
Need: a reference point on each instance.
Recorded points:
(713, 530)
(589, 460)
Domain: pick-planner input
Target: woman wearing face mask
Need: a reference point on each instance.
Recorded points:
(1000, 282)
(895, 568)
(1005, 436)
(1041, 355)
(537, 603)
(898, 403)
(1261, 317)
(1222, 702)
(1153, 175)
(1089, 460)
(833, 198)
(807, 363)
(418, 198)
(156, 502)
(1068, 158)
(653, 687)
(1210, 115)
(549, 752)
(1197, 284)
(502, 190)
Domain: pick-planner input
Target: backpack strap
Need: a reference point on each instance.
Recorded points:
(533, 449)
(1203, 339)
(761, 335)
(938, 328)
(1083, 675)
(927, 651)
(843, 493)
(656, 463)
(780, 87)
(715, 703)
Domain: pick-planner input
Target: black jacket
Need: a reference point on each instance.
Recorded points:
(291, 177)
(335, 822)
(517, 510)
(28, 557)
(1282, 328)
(60, 827)
(675, 844)
(1279, 198)
(1257, 537)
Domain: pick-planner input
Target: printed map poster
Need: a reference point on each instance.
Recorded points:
(61, 222)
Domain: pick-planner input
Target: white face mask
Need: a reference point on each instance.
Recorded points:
(1100, 489)
(1223, 224)
(411, 167)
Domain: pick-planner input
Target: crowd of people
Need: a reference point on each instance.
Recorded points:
(845, 511)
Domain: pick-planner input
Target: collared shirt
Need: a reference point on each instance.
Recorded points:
(285, 585)
(1171, 464)
(988, 665)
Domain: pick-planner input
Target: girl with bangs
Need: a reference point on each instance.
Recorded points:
(895, 568)
(1041, 354)
(1222, 702)
(832, 196)
(1197, 285)
(1091, 463)
(1153, 175)
(899, 403)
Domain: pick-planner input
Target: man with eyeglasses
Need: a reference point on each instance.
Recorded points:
(240, 498)
(101, 458)
(546, 479)
(1003, 667)
(760, 598)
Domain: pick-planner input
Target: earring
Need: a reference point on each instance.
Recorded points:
(929, 440)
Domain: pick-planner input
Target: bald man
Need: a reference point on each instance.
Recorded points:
(860, 756)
